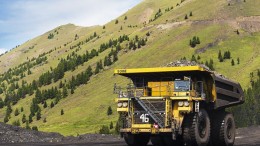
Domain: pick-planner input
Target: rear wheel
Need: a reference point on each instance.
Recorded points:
(223, 125)
(136, 140)
(196, 129)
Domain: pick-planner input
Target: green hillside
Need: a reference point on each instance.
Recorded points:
(157, 33)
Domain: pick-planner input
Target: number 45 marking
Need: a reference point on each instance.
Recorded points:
(144, 118)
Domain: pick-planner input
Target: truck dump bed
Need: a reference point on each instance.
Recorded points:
(225, 92)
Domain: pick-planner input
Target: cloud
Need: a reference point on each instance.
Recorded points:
(2, 50)
(25, 19)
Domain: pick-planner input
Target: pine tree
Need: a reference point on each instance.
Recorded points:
(109, 111)
(191, 13)
(61, 84)
(38, 115)
(237, 32)
(72, 90)
(44, 120)
(1, 103)
(186, 16)
(21, 109)
(52, 104)
(64, 91)
(125, 18)
(220, 58)
(97, 68)
(23, 118)
(197, 40)
(116, 22)
(193, 58)
(61, 112)
(30, 118)
(45, 104)
(27, 125)
(111, 125)
(6, 119)
(232, 62)
(238, 60)
(16, 112)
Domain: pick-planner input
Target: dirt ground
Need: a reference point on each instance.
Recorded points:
(249, 136)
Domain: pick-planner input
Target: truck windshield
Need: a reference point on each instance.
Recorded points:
(181, 85)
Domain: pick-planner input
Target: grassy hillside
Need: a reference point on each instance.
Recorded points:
(216, 23)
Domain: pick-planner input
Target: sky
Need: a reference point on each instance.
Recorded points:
(22, 20)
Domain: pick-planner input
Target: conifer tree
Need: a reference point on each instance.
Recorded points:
(186, 16)
(38, 115)
(27, 125)
(23, 118)
(45, 104)
(232, 62)
(30, 118)
(61, 112)
(64, 91)
(16, 112)
(52, 104)
(109, 111)
(111, 125)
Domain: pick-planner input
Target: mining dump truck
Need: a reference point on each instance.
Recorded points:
(179, 105)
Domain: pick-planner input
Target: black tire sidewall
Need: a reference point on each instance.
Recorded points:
(229, 141)
(202, 141)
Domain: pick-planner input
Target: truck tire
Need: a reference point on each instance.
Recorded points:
(196, 129)
(223, 125)
(138, 139)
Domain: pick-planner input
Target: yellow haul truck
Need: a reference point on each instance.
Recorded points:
(183, 105)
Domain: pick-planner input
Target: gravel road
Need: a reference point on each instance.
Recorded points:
(16, 136)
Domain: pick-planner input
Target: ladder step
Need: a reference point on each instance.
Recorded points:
(150, 112)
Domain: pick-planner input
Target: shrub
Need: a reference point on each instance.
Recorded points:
(104, 130)
(35, 128)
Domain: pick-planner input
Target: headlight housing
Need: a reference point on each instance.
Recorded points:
(186, 103)
(180, 103)
(119, 104)
(125, 104)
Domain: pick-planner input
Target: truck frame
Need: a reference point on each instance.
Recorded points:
(180, 105)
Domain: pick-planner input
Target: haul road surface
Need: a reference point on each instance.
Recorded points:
(249, 136)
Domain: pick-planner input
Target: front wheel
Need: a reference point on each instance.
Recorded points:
(196, 129)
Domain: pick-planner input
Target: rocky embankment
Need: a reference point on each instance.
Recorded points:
(14, 134)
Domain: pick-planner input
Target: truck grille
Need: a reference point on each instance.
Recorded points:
(140, 115)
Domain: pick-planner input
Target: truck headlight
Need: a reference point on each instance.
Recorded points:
(186, 103)
(119, 104)
(180, 103)
(125, 104)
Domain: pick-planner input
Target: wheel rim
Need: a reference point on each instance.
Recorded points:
(202, 126)
(229, 129)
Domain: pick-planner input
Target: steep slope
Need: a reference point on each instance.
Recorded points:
(220, 25)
